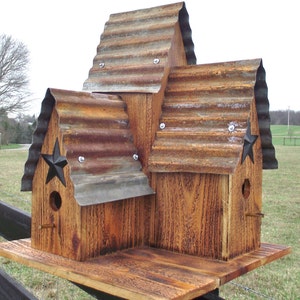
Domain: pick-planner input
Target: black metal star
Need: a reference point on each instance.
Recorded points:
(249, 141)
(56, 164)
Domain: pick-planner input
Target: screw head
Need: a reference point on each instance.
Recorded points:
(102, 65)
(162, 125)
(231, 127)
(156, 61)
(135, 156)
(81, 159)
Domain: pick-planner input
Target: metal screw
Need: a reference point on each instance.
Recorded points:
(231, 127)
(44, 226)
(162, 125)
(260, 215)
(156, 61)
(135, 156)
(81, 159)
(102, 65)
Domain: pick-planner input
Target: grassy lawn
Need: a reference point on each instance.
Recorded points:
(282, 134)
(281, 225)
(10, 146)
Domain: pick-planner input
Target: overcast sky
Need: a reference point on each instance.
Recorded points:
(62, 36)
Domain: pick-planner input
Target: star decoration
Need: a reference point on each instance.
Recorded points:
(56, 163)
(249, 141)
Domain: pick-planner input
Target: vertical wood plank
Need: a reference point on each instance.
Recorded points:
(189, 213)
(64, 238)
(245, 231)
(116, 225)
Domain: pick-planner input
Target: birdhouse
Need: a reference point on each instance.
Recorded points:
(156, 152)
(86, 159)
(207, 159)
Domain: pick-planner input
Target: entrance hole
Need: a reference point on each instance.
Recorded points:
(55, 201)
(246, 188)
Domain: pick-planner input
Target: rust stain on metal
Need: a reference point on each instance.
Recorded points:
(98, 144)
(205, 114)
(133, 52)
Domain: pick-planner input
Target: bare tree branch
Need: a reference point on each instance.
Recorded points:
(14, 60)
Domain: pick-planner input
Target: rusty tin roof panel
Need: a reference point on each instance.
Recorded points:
(134, 47)
(98, 146)
(204, 118)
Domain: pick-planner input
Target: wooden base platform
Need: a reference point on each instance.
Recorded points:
(144, 273)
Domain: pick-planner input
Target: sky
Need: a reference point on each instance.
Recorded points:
(62, 37)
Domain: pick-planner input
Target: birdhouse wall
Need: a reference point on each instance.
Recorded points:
(56, 223)
(115, 226)
(210, 215)
(190, 213)
(177, 54)
(144, 110)
(244, 223)
(245, 200)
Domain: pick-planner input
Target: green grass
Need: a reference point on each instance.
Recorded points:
(10, 146)
(281, 225)
(12, 167)
(279, 132)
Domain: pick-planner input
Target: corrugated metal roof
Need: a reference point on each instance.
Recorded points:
(95, 127)
(131, 43)
(200, 104)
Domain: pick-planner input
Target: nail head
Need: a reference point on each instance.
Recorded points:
(162, 125)
(81, 159)
(231, 127)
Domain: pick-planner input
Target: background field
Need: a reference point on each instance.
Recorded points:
(288, 135)
(281, 225)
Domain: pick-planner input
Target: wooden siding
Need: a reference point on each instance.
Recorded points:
(245, 202)
(55, 231)
(190, 213)
(114, 226)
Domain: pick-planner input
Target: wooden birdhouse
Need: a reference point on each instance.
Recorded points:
(156, 153)
(207, 159)
(86, 160)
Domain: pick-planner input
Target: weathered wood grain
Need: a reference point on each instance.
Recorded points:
(145, 273)
(244, 232)
(189, 212)
(55, 231)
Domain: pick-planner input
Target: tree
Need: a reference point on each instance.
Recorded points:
(280, 117)
(18, 130)
(14, 60)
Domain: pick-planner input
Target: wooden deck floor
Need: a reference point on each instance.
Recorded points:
(144, 273)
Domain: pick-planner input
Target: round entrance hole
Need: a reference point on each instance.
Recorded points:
(246, 188)
(55, 201)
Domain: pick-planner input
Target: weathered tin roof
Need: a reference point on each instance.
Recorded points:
(98, 143)
(201, 102)
(133, 52)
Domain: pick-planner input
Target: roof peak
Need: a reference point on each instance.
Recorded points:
(137, 48)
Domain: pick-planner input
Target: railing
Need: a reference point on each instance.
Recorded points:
(291, 138)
